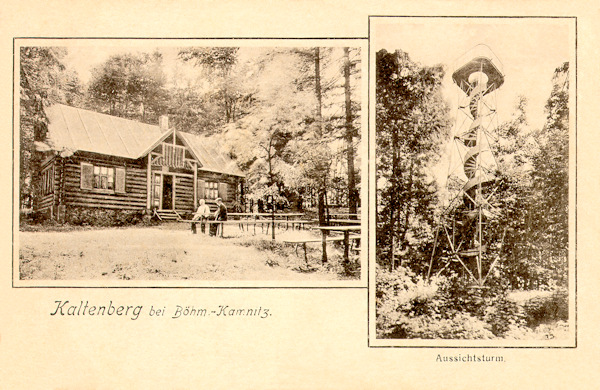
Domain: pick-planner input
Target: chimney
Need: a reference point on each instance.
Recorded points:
(163, 123)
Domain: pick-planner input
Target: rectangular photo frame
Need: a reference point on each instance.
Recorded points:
(473, 189)
(117, 142)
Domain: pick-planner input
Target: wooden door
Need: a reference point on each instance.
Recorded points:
(167, 192)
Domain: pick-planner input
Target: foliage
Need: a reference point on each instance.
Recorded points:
(533, 192)
(411, 121)
(547, 308)
(44, 80)
(130, 86)
(227, 93)
(408, 306)
(285, 141)
(260, 141)
(189, 111)
(550, 175)
(87, 216)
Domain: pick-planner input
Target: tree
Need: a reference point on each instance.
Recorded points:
(260, 143)
(189, 110)
(351, 133)
(130, 86)
(316, 156)
(532, 193)
(44, 80)
(265, 141)
(411, 121)
(226, 77)
(550, 178)
(513, 221)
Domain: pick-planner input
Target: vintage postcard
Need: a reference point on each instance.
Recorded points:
(299, 195)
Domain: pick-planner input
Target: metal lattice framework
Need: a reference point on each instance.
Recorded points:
(461, 234)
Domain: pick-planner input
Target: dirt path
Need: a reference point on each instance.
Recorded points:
(150, 254)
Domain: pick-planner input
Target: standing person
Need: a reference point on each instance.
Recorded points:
(220, 215)
(202, 215)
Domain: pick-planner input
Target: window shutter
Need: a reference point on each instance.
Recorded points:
(87, 176)
(201, 189)
(120, 180)
(223, 191)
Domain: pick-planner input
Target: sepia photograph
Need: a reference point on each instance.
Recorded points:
(474, 130)
(159, 160)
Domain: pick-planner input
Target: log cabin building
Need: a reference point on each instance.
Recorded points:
(105, 162)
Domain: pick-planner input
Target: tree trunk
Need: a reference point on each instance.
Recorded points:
(394, 184)
(318, 92)
(352, 195)
(321, 188)
(270, 160)
(393, 238)
(407, 212)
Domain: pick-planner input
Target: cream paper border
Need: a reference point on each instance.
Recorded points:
(315, 338)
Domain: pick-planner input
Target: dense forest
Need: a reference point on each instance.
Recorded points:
(528, 228)
(289, 116)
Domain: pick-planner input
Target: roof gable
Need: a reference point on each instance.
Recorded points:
(76, 129)
(210, 154)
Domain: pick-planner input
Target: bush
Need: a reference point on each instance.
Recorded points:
(460, 326)
(545, 309)
(36, 217)
(410, 307)
(87, 216)
(503, 315)
(450, 307)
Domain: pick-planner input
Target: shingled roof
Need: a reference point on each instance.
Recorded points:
(76, 129)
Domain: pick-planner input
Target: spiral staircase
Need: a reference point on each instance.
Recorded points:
(460, 236)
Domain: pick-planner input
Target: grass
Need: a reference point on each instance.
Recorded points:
(168, 252)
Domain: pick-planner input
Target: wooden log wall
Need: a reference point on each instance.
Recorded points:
(135, 194)
(232, 184)
(46, 201)
(184, 193)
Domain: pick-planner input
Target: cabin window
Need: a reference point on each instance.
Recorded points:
(212, 190)
(102, 178)
(48, 181)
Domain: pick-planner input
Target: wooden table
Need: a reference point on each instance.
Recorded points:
(230, 222)
(344, 229)
(345, 221)
(273, 217)
(276, 215)
(343, 215)
(249, 222)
